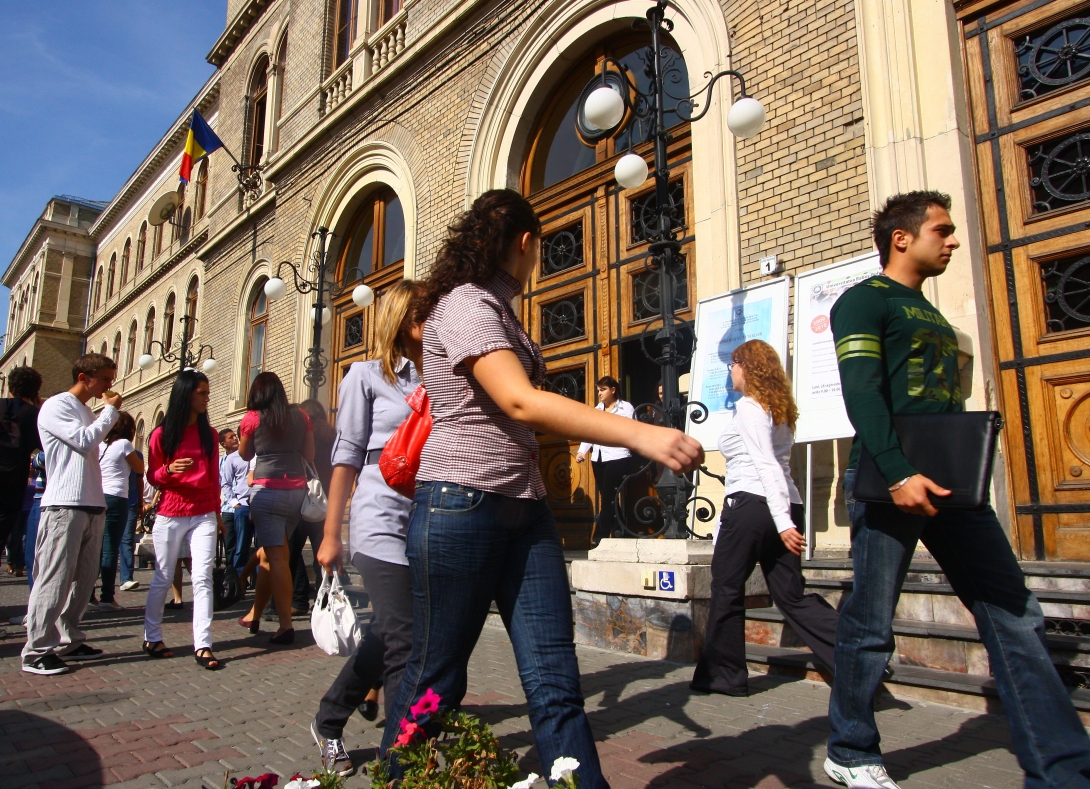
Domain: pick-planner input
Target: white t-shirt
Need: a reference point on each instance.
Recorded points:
(115, 467)
(70, 437)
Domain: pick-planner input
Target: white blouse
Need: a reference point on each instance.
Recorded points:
(758, 459)
(599, 452)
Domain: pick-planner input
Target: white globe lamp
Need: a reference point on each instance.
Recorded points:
(746, 117)
(630, 171)
(275, 289)
(363, 296)
(209, 366)
(327, 314)
(145, 361)
(604, 108)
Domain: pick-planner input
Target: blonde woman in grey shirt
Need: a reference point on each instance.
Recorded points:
(370, 408)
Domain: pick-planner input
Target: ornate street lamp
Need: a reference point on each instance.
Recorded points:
(604, 110)
(321, 314)
(186, 358)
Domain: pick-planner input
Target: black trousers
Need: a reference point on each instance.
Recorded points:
(384, 651)
(748, 535)
(607, 478)
(12, 493)
(300, 597)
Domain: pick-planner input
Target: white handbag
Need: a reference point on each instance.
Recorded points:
(315, 503)
(333, 621)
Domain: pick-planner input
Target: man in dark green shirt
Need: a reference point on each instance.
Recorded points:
(898, 355)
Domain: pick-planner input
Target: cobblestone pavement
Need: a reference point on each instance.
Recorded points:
(135, 723)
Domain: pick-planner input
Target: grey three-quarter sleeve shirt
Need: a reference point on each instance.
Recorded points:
(369, 410)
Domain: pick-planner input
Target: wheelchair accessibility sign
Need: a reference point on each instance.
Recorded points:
(666, 581)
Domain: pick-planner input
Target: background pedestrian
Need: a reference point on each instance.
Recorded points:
(118, 460)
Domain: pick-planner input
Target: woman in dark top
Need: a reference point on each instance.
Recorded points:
(480, 528)
(324, 436)
(280, 437)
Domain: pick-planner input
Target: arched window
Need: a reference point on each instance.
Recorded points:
(126, 254)
(376, 236)
(138, 442)
(259, 100)
(191, 294)
(130, 359)
(111, 274)
(202, 189)
(149, 330)
(117, 349)
(157, 242)
(558, 150)
(168, 323)
(177, 226)
(259, 316)
(105, 348)
(345, 33)
(141, 246)
(159, 419)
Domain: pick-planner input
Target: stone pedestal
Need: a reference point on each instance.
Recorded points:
(647, 597)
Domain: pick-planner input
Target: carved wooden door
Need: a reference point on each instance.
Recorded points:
(1028, 71)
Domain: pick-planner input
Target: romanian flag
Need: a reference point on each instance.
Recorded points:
(200, 142)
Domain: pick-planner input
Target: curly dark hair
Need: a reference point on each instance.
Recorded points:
(25, 382)
(477, 244)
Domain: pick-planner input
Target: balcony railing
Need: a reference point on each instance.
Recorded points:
(336, 89)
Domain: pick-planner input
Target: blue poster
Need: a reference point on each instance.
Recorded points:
(732, 326)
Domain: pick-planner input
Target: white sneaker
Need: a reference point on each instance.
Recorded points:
(128, 586)
(868, 776)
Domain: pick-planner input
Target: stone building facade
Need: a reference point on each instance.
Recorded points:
(49, 280)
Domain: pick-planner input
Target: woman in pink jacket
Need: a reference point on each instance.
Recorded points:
(183, 464)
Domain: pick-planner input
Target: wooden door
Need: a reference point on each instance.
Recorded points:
(593, 294)
(1028, 73)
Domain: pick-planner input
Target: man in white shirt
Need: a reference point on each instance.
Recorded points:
(73, 516)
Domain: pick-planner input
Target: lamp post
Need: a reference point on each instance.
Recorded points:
(184, 356)
(605, 110)
(276, 288)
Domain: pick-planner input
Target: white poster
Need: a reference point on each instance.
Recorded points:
(817, 377)
(723, 323)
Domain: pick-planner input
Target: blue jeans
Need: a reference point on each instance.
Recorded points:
(971, 548)
(128, 543)
(244, 535)
(465, 549)
(117, 513)
(33, 518)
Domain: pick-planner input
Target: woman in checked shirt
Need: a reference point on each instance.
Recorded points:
(480, 529)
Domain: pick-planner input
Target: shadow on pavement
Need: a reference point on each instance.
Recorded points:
(43, 752)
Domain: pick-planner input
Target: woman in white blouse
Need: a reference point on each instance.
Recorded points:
(610, 464)
(760, 515)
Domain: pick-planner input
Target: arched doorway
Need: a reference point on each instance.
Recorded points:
(593, 296)
(372, 252)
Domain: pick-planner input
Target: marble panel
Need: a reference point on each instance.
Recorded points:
(916, 607)
(661, 629)
(949, 610)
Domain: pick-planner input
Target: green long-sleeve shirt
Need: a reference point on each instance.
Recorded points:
(897, 355)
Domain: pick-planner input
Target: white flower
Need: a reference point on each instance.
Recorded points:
(301, 783)
(563, 768)
(527, 782)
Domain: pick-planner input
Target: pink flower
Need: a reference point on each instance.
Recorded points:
(428, 704)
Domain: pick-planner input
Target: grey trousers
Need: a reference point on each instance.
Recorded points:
(66, 559)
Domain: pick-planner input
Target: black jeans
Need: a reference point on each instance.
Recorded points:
(748, 535)
(12, 492)
(300, 597)
(384, 651)
(607, 477)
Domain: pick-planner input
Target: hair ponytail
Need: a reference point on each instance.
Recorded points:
(478, 243)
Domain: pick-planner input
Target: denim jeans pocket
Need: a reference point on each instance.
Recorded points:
(456, 498)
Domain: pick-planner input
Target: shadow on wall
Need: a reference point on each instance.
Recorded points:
(45, 753)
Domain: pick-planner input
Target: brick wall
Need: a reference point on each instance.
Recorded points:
(802, 183)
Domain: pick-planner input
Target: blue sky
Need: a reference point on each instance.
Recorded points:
(88, 88)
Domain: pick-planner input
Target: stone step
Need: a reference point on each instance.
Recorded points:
(974, 691)
(932, 645)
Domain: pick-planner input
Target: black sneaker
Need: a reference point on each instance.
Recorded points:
(84, 652)
(46, 664)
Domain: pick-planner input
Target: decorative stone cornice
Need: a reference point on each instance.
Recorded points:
(236, 30)
(29, 247)
(207, 96)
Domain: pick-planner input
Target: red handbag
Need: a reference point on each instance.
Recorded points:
(400, 459)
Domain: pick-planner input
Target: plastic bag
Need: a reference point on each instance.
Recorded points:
(333, 621)
(315, 502)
